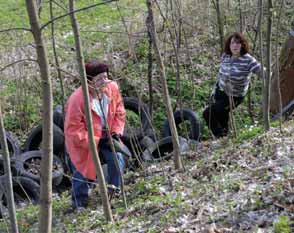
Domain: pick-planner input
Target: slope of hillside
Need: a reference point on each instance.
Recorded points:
(226, 187)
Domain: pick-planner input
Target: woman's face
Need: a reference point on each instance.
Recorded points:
(99, 81)
(235, 47)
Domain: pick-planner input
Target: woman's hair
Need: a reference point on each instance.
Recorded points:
(240, 38)
(94, 68)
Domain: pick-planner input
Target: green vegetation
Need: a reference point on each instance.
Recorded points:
(282, 225)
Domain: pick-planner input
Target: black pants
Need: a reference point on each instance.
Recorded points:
(216, 114)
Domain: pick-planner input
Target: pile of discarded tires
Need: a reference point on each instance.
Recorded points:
(141, 141)
(26, 166)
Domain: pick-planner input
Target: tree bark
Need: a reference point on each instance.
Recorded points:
(56, 59)
(266, 114)
(240, 17)
(171, 120)
(150, 68)
(283, 77)
(45, 218)
(220, 24)
(8, 177)
(93, 146)
(260, 6)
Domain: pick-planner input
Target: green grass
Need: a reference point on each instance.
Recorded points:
(282, 225)
(91, 23)
(13, 14)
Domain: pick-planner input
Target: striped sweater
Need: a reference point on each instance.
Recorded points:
(234, 74)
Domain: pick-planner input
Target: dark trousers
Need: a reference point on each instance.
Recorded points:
(81, 185)
(216, 114)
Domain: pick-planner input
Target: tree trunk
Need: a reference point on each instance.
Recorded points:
(8, 176)
(45, 216)
(60, 78)
(177, 24)
(286, 71)
(268, 73)
(220, 25)
(240, 17)
(171, 120)
(150, 68)
(260, 6)
(93, 146)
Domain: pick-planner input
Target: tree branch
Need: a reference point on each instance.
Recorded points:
(75, 11)
(15, 29)
(18, 61)
(59, 5)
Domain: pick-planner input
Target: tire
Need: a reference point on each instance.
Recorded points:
(161, 150)
(181, 116)
(146, 142)
(34, 140)
(12, 143)
(137, 148)
(58, 118)
(140, 109)
(24, 166)
(25, 190)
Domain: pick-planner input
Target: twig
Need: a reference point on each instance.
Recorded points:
(75, 11)
(15, 29)
(13, 63)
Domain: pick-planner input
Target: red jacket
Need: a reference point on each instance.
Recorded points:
(75, 127)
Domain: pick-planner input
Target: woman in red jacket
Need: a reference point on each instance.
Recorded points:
(105, 100)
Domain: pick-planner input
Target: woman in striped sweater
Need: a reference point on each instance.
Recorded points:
(232, 83)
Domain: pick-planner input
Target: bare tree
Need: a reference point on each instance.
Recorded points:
(260, 6)
(286, 71)
(45, 216)
(150, 67)
(8, 176)
(240, 16)
(81, 65)
(219, 23)
(266, 102)
(277, 67)
(56, 58)
(171, 120)
(175, 37)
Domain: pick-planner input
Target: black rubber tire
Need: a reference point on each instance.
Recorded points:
(140, 109)
(181, 116)
(58, 118)
(146, 142)
(34, 140)
(13, 144)
(23, 188)
(161, 150)
(21, 165)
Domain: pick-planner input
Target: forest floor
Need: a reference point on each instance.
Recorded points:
(225, 187)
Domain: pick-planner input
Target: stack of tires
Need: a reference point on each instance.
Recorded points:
(142, 140)
(25, 189)
(26, 164)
